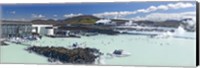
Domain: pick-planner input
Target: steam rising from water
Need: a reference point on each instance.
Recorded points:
(179, 31)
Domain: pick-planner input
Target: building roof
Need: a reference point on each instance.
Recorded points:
(27, 22)
(15, 22)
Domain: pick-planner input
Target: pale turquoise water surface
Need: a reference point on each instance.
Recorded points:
(144, 50)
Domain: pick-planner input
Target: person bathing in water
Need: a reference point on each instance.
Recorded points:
(75, 44)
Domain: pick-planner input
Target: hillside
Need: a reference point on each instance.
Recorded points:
(84, 19)
(89, 20)
(159, 24)
(50, 21)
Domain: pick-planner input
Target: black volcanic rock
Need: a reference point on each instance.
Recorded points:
(64, 55)
(3, 43)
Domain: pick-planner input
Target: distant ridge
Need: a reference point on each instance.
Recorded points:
(89, 20)
(83, 19)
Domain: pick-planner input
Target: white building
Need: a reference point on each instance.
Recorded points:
(25, 28)
(15, 28)
(42, 29)
(50, 31)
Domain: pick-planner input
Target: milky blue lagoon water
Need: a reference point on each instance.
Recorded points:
(144, 50)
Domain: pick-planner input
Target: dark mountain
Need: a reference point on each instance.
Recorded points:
(89, 19)
(39, 21)
(84, 19)
(168, 23)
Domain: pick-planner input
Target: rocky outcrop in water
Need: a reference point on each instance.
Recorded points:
(64, 55)
(3, 43)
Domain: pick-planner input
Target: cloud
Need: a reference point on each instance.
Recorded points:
(13, 12)
(167, 16)
(180, 5)
(152, 8)
(72, 15)
(169, 6)
(162, 7)
(38, 16)
(143, 11)
(113, 14)
(55, 15)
